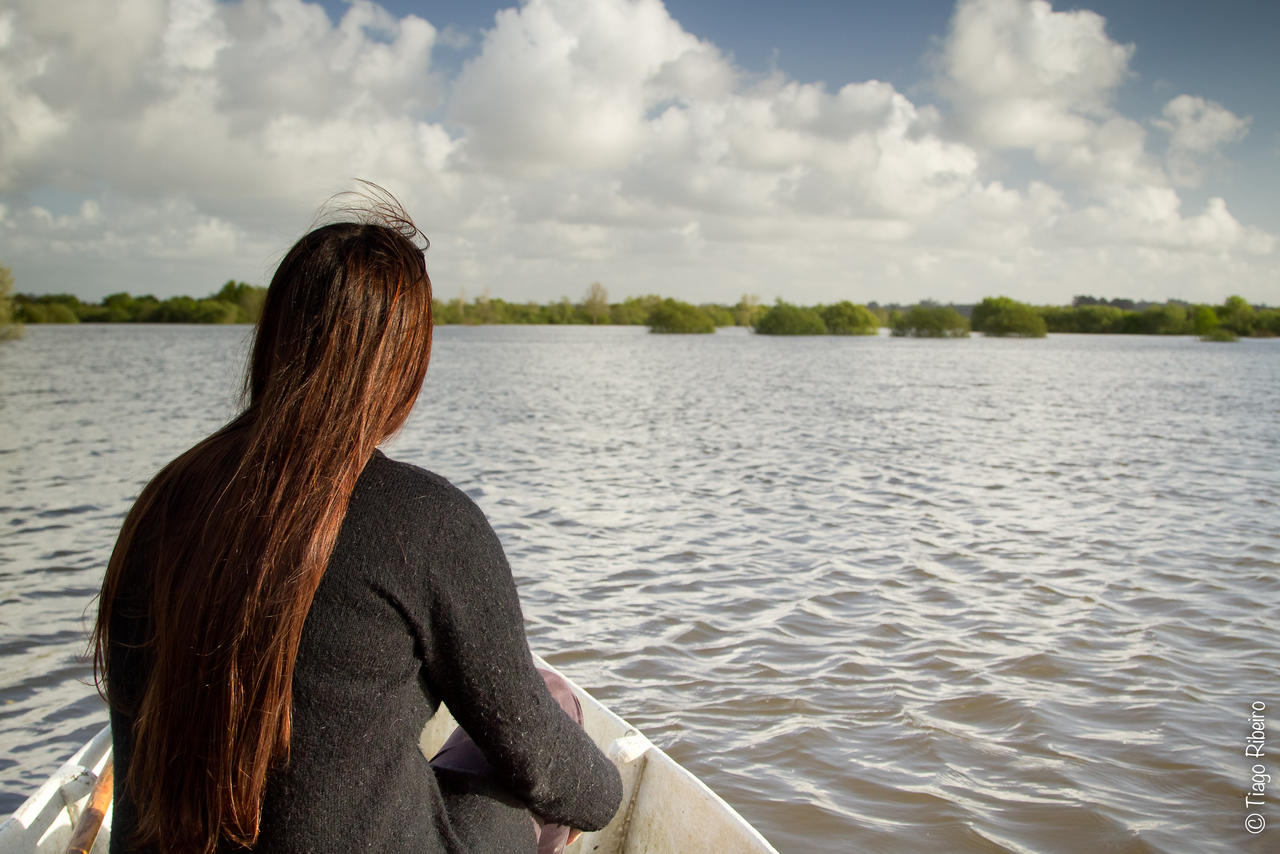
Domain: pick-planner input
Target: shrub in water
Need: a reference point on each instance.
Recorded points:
(1004, 317)
(674, 316)
(845, 318)
(930, 321)
(787, 319)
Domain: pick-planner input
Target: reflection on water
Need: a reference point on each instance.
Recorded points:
(973, 595)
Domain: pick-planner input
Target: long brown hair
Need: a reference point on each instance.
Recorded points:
(233, 536)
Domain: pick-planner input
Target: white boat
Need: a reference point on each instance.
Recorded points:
(46, 821)
(664, 807)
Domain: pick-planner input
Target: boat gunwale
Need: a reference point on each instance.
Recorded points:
(37, 825)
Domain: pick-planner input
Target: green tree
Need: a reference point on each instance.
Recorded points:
(120, 308)
(183, 309)
(1203, 320)
(47, 308)
(445, 313)
(248, 300)
(460, 305)
(9, 327)
(672, 316)
(1004, 317)
(1267, 322)
(485, 312)
(596, 303)
(180, 309)
(145, 308)
(60, 312)
(787, 319)
(720, 315)
(527, 312)
(1237, 315)
(845, 318)
(216, 311)
(564, 312)
(880, 313)
(1167, 319)
(748, 310)
(1088, 318)
(633, 311)
(930, 321)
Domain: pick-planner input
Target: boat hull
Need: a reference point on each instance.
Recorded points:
(45, 821)
(664, 807)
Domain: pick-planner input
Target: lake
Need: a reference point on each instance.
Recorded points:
(880, 594)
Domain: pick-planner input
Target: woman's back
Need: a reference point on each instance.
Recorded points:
(286, 607)
(417, 605)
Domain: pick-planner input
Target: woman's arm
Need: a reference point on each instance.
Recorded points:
(477, 661)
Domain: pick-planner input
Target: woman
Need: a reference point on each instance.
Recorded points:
(286, 607)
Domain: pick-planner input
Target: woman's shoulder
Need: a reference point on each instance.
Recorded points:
(431, 522)
(403, 488)
(396, 474)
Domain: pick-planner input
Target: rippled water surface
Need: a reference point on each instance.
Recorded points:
(882, 595)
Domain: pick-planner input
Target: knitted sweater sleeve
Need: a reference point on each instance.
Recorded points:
(477, 660)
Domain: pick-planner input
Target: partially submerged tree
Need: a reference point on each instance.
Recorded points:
(674, 316)
(748, 310)
(845, 318)
(596, 303)
(1204, 321)
(787, 319)
(633, 311)
(719, 314)
(9, 328)
(1237, 315)
(1005, 317)
(929, 321)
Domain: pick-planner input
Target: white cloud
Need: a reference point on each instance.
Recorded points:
(561, 82)
(1025, 76)
(194, 35)
(1151, 217)
(1113, 152)
(99, 47)
(1197, 128)
(120, 245)
(1022, 76)
(250, 108)
(592, 140)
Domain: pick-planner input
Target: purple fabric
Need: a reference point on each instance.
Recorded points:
(460, 753)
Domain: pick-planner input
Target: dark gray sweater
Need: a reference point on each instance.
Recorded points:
(417, 606)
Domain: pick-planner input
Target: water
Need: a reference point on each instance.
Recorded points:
(882, 595)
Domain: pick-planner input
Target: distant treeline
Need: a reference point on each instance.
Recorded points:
(239, 302)
(236, 302)
(668, 315)
(1236, 316)
(1005, 317)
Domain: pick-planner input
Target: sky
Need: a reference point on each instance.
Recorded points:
(701, 149)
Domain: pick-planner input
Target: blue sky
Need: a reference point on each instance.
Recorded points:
(699, 149)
